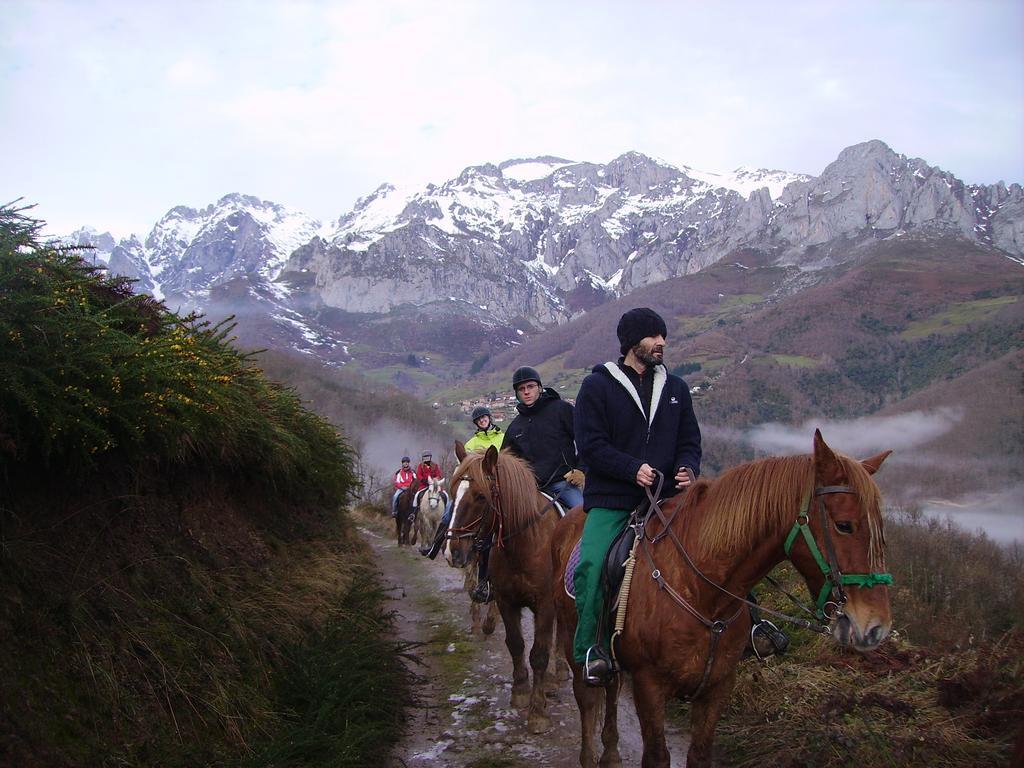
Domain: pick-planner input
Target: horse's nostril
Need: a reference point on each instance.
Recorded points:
(876, 635)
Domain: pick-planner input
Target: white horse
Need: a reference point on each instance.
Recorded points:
(432, 501)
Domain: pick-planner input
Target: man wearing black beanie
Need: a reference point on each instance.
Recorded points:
(632, 418)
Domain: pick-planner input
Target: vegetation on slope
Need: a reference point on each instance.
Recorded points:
(179, 584)
(946, 690)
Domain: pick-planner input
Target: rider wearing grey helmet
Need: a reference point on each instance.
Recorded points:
(487, 432)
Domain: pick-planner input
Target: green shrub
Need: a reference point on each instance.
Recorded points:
(92, 371)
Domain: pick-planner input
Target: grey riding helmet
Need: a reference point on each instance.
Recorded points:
(480, 410)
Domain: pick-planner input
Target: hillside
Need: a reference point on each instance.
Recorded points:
(179, 583)
(895, 319)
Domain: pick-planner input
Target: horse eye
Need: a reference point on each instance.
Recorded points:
(844, 526)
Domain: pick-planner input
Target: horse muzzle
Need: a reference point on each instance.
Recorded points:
(846, 631)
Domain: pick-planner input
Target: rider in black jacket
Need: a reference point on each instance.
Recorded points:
(543, 434)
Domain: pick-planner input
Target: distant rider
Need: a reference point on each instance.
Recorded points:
(426, 470)
(403, 478)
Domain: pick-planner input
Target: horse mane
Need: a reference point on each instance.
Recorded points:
(516, 484)
(756, 500)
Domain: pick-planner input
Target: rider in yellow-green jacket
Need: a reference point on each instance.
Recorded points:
(486, 435)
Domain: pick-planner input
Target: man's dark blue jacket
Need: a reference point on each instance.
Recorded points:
(614, 438)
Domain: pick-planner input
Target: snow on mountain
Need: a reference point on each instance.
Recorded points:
(99, 244)
(748, 180)
(532, 241)
(524, 171)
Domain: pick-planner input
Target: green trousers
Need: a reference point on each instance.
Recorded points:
(599, 531)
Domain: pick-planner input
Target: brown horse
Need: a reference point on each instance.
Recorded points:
(406, 515)
(498, 501)
(686, 626)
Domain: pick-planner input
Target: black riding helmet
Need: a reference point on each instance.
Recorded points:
(526, 373)
(480, 410)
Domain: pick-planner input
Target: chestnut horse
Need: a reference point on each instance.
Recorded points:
(497, 501)
(406, 515)
(686, 625)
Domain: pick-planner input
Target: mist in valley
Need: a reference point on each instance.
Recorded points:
(917, 467)
(382, 445)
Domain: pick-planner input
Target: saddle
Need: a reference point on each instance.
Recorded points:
(614, 567)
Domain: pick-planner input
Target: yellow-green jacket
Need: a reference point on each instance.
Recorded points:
(485, 438)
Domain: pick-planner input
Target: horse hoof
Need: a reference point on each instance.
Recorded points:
(489, 625)
(520, 700)
(538, 724)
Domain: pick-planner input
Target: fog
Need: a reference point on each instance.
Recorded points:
(382, 446)
(999, 512)
(858, 437)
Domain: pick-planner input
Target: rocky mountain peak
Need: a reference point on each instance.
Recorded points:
(530, 241)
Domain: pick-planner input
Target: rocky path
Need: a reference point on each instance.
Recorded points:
(463, 718)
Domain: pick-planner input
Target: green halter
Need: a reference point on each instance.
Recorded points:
(835, 580)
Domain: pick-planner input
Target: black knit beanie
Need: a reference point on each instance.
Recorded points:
(639, 324)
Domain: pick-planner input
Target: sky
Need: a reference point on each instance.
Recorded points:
(112, 113)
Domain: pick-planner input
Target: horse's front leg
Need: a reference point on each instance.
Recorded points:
(649, 695)
(704, 715)
(491, 619)
(512, 618)
(588, 700)
(538, 720)
(610, 757)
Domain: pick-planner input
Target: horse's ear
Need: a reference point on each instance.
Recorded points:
(460, 451)
(872, 464)
(490, 460)
(826, 466)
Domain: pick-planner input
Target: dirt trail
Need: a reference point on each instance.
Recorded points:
(463, 718)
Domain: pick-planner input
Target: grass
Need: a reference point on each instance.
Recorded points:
(953, 319)
(898, 707)
(343, 691)
(796, 361)
(946, 690)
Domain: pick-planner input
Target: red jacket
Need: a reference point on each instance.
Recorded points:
(404, 478)
(426, 471)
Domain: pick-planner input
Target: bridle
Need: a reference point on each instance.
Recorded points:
(490, 526)
(836, 581)
(483, 535)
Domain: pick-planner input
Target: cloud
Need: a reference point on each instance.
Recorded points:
(999, 514)
(859, 437)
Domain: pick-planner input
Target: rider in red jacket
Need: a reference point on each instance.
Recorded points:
(427, 469)
(403, 478)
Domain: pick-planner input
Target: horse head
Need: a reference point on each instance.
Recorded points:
(474, 516)
(837, 544)
(434, 492)
(496, 499)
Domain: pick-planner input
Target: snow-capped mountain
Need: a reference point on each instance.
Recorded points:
(530, 242)
(189, 251)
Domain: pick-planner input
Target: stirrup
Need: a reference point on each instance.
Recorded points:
(482, 592)
(598, 667)
(771, 639)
